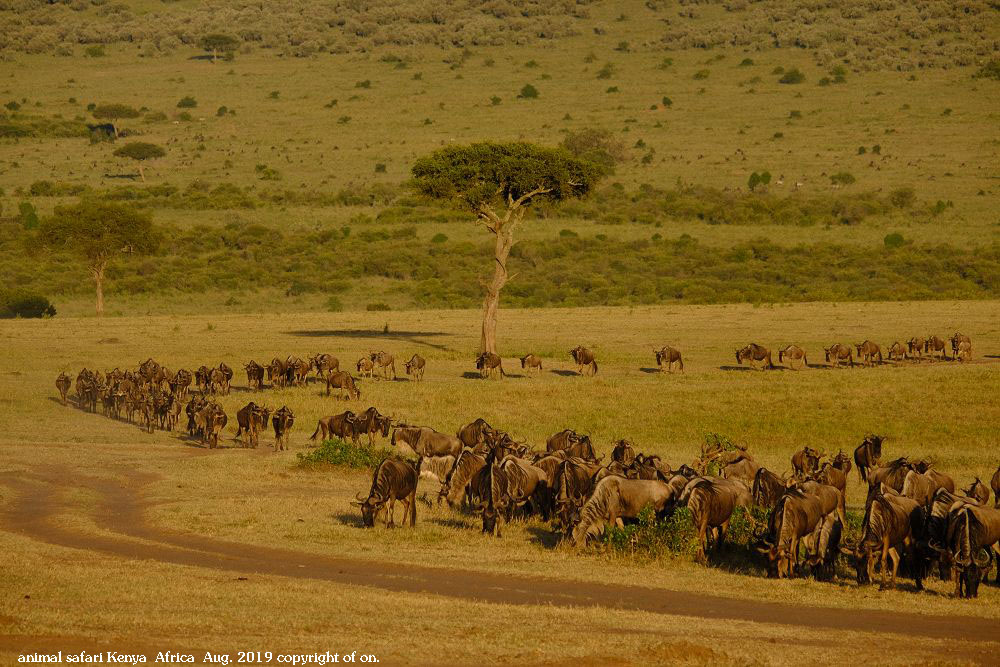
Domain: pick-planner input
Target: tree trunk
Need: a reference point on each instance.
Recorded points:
(98, 271)
(141, 175)
(491, 303)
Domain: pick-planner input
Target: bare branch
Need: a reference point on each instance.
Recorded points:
(540, 190)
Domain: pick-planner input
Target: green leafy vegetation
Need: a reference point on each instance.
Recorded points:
(339, 452)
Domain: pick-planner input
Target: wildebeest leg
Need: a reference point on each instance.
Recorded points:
(390, 508)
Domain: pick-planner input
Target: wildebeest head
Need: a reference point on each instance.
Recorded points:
(371, 507)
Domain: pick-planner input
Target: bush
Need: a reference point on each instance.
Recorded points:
(529, 92)
(842, 178)
(902, 197)
(24, 304)
(599, 146)
(701, 74)
(439, 238)
(672, 536)
(792, 76)
(377, 307)
(363, 84)
(27, 215)
(187, 103)
(495, 101)
(95, 51)
(990, 70)
(342, 453)
(894, 240)
(746, 62)
(334, 305)
(221, 111)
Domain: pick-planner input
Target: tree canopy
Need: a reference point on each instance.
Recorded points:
(218, 42)
(114, 111)
(140, 150)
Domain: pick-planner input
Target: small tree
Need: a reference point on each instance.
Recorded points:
(114, 113)
(97, 231)
(140, 151)
(498, 182)
(217, 43)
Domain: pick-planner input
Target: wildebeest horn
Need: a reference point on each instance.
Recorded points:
(981, 563)
(358, 497)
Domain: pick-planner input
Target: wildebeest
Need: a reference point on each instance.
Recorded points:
(227, 377)
(897, 352)
(616, 498)
(892, 474)
(830, 474)
(523, 483)
(343, 381)
(956, 342)
(584, 357)
(282, 421)
(978, 492)
(823, 547)
(63, 383)
(209, 421)
(344, 426)
(973, 533)
(488, 362)
(372, 422)
(531, 361)
(915, 347)
(393, 480)
(837, 353)
(669, 356)
(415, 367)
(869, 353)
(250, 419)
(426, 441)
(794, 517)
(475, 433)
(466, 473)
(995, 483)
(573, 443)
(573, 483)
(934, 344)
(964, 351)
(384, 362)
(739, 465)
(323, 364)
(623, 452)
(711, 501)
(754, 354)
(832, 498)
(767, 488)
(366, 367)
(255, 375)
(794, 353)
(806, 461)
(892, 523)
(868, 454)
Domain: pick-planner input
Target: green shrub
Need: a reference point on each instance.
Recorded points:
(439, 238)
(495, 101)
(842, 178)
(363, 84)
(334, 305)
(673, 536)
(528, 92)
(95, 51)
(342, 453)
(377, 307)
(894, 240)
(902, 197)
(990, 70)
(746, 62)
(792, 76)
(187, 102)
(379, 167)
(24, 304)
(221, 111)
(701, 74)
(27, 215)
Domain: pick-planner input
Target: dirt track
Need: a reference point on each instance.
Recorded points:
(39, 501)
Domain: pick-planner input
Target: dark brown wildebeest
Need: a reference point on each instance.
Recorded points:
(475, 433)
(837, 353)
(767, 488)
(323, 364)
(978, 492)
(934, 344)
(487, 363)
(573, 484)
(995, 483)
(669, 356)
(210, 421)
(202, 378)
(464, 476)
(897, 352)
(531, 361)
(623, 452)
(842, 462)
(415, 367)
(227, 375)
(523, 483)
(343, 381)
(282, 421)
(584, 358)
(216, 381)
(973, 534)
(892, 474)
(373, 422)
(615, 498)
(711, 501)
(795, 516)
(343, 426)
(296, 371)
(277, 372)
(832, 475)
(794, 353)
(366, 367)
(572, 442)
(255, 375)
(869, 353)
(868, 454)
(426, 441)
(806, 461)
(244, 423)
(393, 480)
(754, 354)
(956, 343)
(892, 523)
(940, 480)
(823, 547)
(384, 362)
(63, 383)
(915, 347)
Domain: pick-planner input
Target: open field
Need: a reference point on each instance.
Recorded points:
(92, 494)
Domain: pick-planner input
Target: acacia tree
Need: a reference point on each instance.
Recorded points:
(140, 151)
(217, 42)
(498, 182)
(114, 112)
(97, 232)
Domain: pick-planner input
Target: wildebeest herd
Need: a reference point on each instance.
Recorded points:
(867, 353)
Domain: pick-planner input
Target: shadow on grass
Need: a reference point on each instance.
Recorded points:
(474, 375)
(402, 336)
(449, 523)
(352, 519)
(566, 373)
(650, 371)
(545, 537)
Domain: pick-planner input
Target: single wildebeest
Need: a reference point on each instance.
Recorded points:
(573, 483)
(393, 480)
(897, 352)
(255, 375)
(941, 480)
(995, 483)
(795, 517)
(384, 363)
(531, 362)
(915, 347)
(343, 426)
(210, 421)
(892, 474)
(944, 506)
(63, 383)
(343, 381)
(623, 452)
(487, 364)
(794, 353)
(711, 501)
(832, 475)
(415, 367)
(475, 433)
(868, 454)
(832, 498)
(202, 378)
(227, 377)
(372, 422)
(977, 491)
(466, 475)
(615, 498)
(282, 421)
(523, 483)
(806, 461)
(973, 534)
(823, 547)
(245, 424)
(584, 358)
(754, 354)
(869, 353)
(837, 353)
(934, 344)
(426, 441)
(366, 367)
(738, 465)
(957, 340)
(767, 488)
(892, 523)
(669, 356)
(561, 440)
(323, 364)
(964, 351)
(216, 381)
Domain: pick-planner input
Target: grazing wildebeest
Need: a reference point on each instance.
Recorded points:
(426, 441)
(63, 383)
(415, 367)
(282, 421)
(823, 547)
(227, 377)
(487, 363)
(669, 356)
(323, 364)
(754, 353)
(869, 353)
(384, 362)
(973, 534)
(964, 351)
(531, 361)
(995, 483)
(977, 491)
(795, 516)
(934, 344)
(897, 352)
(343, 426)
(372, 422)
(832, 498)
(466, 474)
(794, 353)
(891, 523)
(915, 347)
(615, 498)
(623, 452)
(573, 443)
(276, 372)
(393, 480)
(837, 353)
(767, 488)
(584, 358)
(475, 433)
(711, 501)
(342, 380)
(366, 367)
(806, 461)
(956, 340)
(255, 375)
(868, 454)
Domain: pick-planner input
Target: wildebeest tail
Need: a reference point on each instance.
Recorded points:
(316, 432)
(594, 364)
